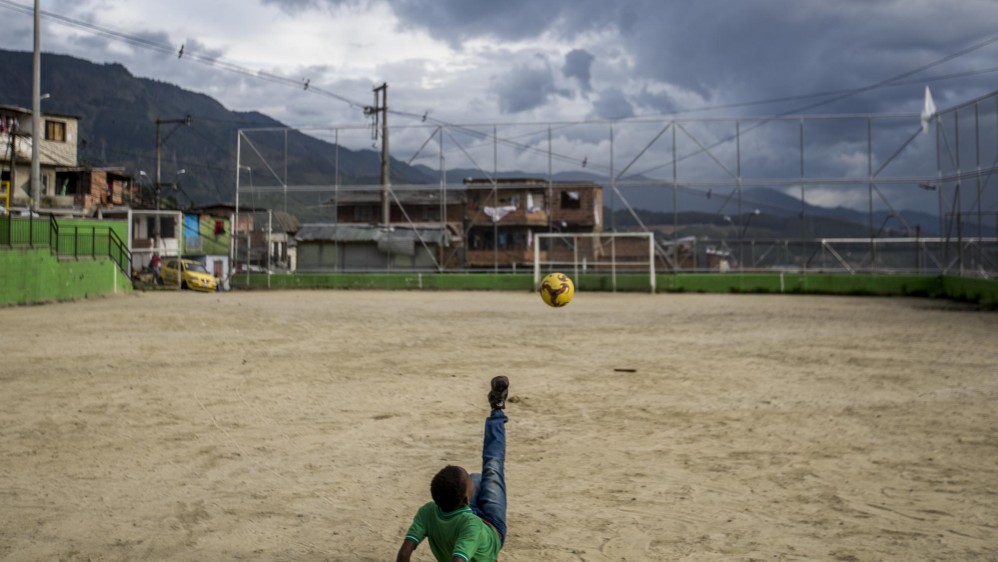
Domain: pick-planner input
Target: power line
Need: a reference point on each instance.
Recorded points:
(832, 96)
(307, 86)
(838, 97)
(170, 49)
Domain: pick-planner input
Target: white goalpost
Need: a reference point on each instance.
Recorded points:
(595, 253)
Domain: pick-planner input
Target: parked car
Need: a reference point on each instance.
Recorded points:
(194, 275)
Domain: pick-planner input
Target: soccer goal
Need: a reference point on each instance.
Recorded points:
(625, 259)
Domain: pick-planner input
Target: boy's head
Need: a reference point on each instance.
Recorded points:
(452, 488)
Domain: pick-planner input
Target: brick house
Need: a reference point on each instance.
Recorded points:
(66, 186)
(487, 225)
(502, 218)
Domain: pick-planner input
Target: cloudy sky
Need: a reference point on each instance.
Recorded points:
(540, 61)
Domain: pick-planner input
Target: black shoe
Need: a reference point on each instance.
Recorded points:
(497, 397)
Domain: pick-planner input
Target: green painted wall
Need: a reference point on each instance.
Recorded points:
(34, 276)
(980, 291)
(436, 281)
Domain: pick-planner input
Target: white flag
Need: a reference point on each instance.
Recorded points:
(928, 111)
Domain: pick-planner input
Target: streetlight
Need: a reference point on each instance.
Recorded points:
(176, 187)
(754, 213)
(250, 170)
(143, 174)
(727, 219)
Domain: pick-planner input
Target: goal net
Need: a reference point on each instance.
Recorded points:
(619, 260)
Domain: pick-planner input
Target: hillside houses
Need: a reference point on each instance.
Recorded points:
(486, 225)
(67, 188)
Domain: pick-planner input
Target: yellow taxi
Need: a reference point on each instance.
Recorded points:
(194, 275)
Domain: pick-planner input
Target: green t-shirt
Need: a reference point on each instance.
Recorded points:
(455, 533)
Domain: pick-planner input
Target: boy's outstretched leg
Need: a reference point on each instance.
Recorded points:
(489, 502)
(497, 396)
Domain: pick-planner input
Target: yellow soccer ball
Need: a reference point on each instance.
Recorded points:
(557, 289)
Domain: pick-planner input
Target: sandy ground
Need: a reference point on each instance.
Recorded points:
(307, 425)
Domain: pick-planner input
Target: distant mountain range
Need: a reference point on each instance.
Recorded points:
(117, 128)
(118, 114)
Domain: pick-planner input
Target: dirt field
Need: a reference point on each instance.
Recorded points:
(307, 425)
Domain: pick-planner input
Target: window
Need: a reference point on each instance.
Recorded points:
(363, 213)
(55, 131)
(166, 227)
(570, 200)
(66, 183)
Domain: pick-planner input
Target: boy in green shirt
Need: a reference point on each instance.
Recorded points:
(466, 521)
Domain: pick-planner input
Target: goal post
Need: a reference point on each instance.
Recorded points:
(590, 254)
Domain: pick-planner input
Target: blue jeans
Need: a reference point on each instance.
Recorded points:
(489, 502)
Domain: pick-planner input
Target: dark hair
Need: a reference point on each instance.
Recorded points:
(448, 488)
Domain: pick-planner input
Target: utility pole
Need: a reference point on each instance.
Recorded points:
(380, 111)
(36, 114)
(159, 143)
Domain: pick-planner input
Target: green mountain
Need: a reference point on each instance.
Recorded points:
(118, 114)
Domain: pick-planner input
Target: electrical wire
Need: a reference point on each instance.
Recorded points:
(829, 96)
(171, 50)
(990, 40)
(307, 86)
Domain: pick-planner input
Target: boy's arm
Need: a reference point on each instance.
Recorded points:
(405, 551)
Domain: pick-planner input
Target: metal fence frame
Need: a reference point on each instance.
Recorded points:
(953, 172)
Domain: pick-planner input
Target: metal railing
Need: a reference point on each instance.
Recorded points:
(64, 241)
(27, 231)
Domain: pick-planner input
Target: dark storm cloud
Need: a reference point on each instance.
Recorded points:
(458, 20)
(578, 65)
(739, 51)
(294, 6)
(527, 86)
(613, 104)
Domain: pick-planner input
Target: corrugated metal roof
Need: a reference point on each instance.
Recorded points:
(287, 221)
